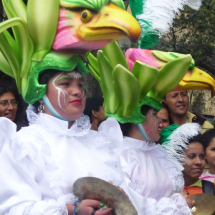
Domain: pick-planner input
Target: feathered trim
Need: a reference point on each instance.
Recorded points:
(194, 4)
(156, 17)
(178, 141)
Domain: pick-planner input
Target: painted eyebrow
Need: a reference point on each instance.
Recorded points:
(68, 78)
(64, 77)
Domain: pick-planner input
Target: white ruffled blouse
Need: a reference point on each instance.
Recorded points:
(41, 163)
(154, 179)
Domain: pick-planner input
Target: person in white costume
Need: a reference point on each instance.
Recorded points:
(154, 178)
(41, 162)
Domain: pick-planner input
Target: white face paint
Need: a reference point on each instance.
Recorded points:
(59, 92)
(74, 75)
(154, 115)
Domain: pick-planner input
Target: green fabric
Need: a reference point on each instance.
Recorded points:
(152, 103)
(35, 91)
(137, 117)
(166, 132)
(197, 184)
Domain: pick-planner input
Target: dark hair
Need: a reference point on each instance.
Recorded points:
(44, 78)
(93, 103)
(127, 126)
(164, 105)
(9, 86)
(207, 137)
(197, 138)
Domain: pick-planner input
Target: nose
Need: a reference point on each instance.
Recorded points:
(180, 98)
(76, 90)
(198, 161)
(159, 120)
(10, 106)
(160, 125)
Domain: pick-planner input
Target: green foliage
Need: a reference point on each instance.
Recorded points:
(193, 32)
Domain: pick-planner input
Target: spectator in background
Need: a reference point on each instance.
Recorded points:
(11, 105)
(95, 110)
(194, 166)
(178, 102)
(209, 144)
(185, 145)
(165, 118)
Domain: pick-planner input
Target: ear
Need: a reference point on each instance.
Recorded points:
(95, 113)
(163, 100)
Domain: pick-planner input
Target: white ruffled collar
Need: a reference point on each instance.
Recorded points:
(52, 124)
(135, 144)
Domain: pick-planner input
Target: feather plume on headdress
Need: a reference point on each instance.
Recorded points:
(175, 139)
(156, 17)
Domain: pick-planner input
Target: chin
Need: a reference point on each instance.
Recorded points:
(72, 116)
(155, 139)
(181, 112)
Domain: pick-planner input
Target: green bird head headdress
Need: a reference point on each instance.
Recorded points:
(130, 82)
(56, 34)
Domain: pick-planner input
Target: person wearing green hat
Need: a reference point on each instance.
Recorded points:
(133, 91)
(46, 57)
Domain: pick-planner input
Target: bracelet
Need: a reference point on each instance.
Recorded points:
(76, 208)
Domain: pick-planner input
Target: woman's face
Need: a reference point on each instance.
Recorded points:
(163, 115)
(195, 161)
(210, 154)
(66, 93)
(8, 106)
(151, 125)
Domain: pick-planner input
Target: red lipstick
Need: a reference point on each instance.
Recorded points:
(76, 102)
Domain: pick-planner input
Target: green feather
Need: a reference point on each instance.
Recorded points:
(90, 4)
(166, 132)
(149, 38)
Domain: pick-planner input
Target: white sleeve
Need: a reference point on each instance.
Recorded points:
(7, 131)
(50, 207)
(22, 192)
(175, 205)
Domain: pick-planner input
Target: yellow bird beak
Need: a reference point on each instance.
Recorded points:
(198, 80)
(111, 23)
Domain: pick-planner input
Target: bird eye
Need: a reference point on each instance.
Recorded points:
(86, 16)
